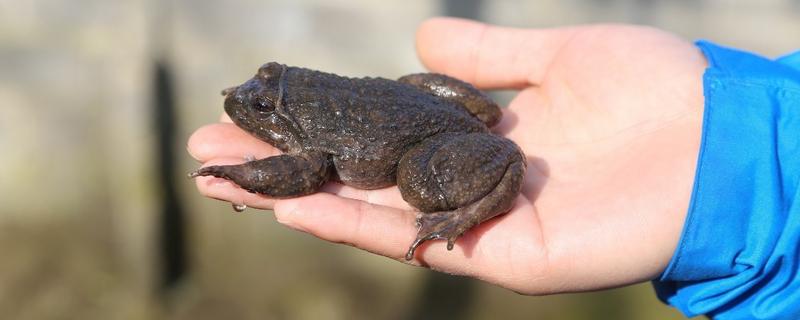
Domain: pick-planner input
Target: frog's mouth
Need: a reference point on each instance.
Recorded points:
(253, 111)
(248, 107)
(236, 105)
(229, 103)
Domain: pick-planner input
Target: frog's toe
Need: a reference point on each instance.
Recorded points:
(216, 171)
(443, 225)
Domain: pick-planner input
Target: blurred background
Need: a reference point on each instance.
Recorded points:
(97, 99)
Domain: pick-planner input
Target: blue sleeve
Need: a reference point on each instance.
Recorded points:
(739, 254)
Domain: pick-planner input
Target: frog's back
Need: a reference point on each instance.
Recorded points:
(367, 117)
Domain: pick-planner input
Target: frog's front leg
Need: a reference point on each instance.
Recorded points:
(458, 181)
(461, 93)
(280, 176)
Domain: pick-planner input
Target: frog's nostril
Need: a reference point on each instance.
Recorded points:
(228, 91)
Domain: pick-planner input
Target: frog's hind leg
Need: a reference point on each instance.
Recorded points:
(279, 176)
(449, 225)
(475, 101)
(459, 181)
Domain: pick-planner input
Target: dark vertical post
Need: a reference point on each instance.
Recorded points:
(644, 11)
(171, 225)
(172, 251)
(470, 9)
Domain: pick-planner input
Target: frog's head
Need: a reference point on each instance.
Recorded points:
(252, 105)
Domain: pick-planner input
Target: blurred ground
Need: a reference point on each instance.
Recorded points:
(82, 201)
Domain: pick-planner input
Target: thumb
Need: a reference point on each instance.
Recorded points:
(489, 56)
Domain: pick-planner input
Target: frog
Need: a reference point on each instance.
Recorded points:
(427, 133)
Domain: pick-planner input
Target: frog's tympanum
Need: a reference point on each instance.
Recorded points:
(426, 133)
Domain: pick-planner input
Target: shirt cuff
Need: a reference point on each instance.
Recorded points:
(738, 256)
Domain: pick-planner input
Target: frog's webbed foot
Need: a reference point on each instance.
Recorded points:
(443, 225)
(461, 93)
(459, 181)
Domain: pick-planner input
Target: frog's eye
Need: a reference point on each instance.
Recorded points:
(263, 104)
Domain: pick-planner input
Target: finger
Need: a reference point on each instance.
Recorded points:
(221, 189)
(389, 197)
(225, 190)
(509, 243)
(379, 229)
(512, 242)
(224, 140)
(488, 56)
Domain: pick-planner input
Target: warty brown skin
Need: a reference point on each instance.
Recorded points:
(427, 133)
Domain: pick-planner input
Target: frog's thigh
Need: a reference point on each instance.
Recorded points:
(452, 170)
(458, 181)
(278, 176)
(459, 92)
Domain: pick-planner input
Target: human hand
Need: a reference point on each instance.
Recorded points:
(610, 119)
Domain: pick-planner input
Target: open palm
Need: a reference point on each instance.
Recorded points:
(610, 119)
